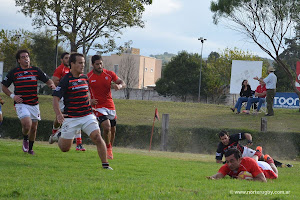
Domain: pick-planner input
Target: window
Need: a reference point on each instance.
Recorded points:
(146, 69)
(151, 70)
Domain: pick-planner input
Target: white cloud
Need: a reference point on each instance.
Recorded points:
(162, 7)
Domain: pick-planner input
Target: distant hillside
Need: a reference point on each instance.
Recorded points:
(166, 57)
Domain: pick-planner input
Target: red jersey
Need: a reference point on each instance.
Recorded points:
(249, 165)
(61, 71)
(261, 89)
(100, 88)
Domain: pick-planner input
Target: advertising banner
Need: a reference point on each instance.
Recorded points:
(286, 100)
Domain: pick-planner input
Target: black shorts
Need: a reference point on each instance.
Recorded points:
(113, 122)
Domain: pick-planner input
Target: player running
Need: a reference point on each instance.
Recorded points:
(25, 78)
(59, 73)
(78, 113)
(100, 81)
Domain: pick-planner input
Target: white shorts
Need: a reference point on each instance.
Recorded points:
(61, 104)
(24, 110)
(110, 114)
(248, 152)
(71, 126)
(264, 165)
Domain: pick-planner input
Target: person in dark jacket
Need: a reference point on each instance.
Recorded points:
(245, 93)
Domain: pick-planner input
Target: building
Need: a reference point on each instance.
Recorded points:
(137, 71)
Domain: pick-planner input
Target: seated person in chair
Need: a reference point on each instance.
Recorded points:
(245, 93)
(260, 94)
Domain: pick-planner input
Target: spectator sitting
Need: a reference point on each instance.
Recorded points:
(245, 93)
(260, 94)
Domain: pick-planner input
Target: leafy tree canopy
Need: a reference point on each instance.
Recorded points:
(266, 22)
(83, 21)
(10, 42)
(181, 76)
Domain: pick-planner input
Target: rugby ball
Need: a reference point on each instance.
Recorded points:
(245, 175)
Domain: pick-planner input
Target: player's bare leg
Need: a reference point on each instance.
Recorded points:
(107, 135)
(26, 123)
(270, 161)
(101, 148)
(65, 144)
(113, 135)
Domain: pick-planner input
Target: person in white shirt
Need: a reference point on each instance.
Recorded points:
(270, 81)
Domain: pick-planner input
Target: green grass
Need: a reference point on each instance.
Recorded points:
(137, 174)
(192, 115)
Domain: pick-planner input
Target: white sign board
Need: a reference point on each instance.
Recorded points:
(241, 70)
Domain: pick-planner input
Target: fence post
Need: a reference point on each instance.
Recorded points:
(263, 127)
(164, 132)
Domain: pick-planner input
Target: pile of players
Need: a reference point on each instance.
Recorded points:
(240, 159)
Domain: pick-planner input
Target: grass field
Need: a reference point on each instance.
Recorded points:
(137, 174)
(135, 112)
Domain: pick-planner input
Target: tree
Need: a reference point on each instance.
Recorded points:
(43, 49)
(128, 72)
(83, 21)
(217, 73)
(10, 42)
(181, 76)
(266, 22)
(290, 56)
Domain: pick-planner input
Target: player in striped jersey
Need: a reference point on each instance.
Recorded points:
(25, 77)
(77, 114)
(100, 82)
(59, 73)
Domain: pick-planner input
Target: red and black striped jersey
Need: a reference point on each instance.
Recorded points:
(25, 82)
(233, 143)
(75, 93)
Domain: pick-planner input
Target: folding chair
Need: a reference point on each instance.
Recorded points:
(263, 107)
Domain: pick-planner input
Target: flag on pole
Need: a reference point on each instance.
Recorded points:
(157, 117)
(156, 114)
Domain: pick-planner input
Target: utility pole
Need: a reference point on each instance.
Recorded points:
(202, 41)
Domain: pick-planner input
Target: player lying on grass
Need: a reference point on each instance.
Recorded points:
(232, 141)
(236, 166)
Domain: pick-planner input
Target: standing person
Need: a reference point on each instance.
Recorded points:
(25, 77)
(100, 81)
(245, 93)
(235, 164)
(78, 114)
(59, 73)
(270, 81)
(260, 94)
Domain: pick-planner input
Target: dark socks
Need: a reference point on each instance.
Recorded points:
(105, 165)
(277, 163)
(25, 137)
(30, 145)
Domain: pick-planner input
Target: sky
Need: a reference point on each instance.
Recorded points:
(170, 26)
